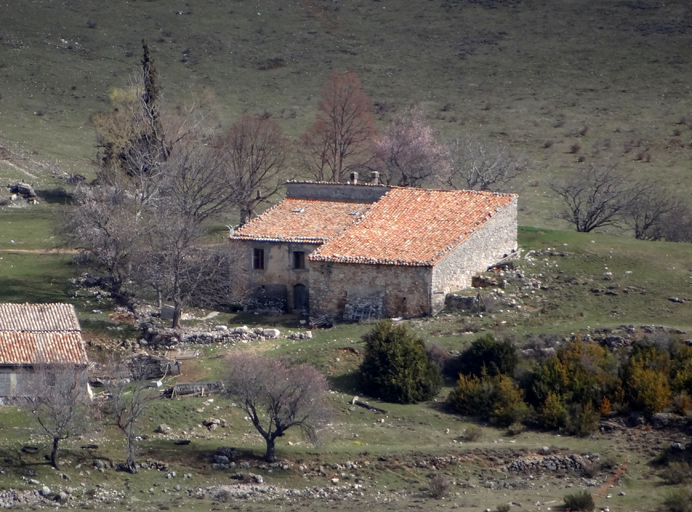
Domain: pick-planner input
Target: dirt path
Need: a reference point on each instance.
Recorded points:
(41, 251)
(19, 168)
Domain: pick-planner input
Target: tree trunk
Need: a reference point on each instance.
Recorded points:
(131, 463)
(177, 313)
(54, 454)
(270, 456)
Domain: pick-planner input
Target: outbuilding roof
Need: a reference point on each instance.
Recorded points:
(413, 227)
(40, 333)
(38, 317)
(26, 348)
(308, 221)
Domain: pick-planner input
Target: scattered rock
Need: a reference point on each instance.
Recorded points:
(163, 429)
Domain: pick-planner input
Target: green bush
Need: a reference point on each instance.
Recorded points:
(582, 420)
(497, 357)
(552, 415)
(494, 398)
(679, 500)
(396, 367)
(579, 502)
(677, 473)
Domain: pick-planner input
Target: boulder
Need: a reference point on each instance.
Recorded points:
(665, 419)
(163, 429)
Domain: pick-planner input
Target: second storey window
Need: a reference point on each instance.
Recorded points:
(298, 260)
(258, 259)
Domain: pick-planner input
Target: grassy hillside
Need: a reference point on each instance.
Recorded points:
(611, 76)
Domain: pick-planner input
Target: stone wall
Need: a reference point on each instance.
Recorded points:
(401, 290)
(495, 239)
(270, 289)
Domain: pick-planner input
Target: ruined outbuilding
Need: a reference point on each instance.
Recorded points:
(357, 251)
(36, 334)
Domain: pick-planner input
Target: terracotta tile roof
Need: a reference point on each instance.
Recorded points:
(40, 333)
(21, 348)
(38, 317)
(415, 227)
(302, 220)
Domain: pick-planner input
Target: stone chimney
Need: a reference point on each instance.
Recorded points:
(375, 178)
(354, 178)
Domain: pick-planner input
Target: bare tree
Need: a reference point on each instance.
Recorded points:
(145, 218)
(178, 266)
(254, 154)
(409, 153)
(276, 397)
(341, 138)
(130, 397)
(58, 401)
(594, 198)
(648, 212)
(102, 224)
(477, 165)
(676, 225)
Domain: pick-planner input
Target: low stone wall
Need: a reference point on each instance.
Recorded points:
(156, 337)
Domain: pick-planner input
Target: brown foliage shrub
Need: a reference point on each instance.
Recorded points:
(605, 407)
(439, 486)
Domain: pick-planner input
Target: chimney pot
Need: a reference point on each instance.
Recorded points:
(375, 178)
(354, 178)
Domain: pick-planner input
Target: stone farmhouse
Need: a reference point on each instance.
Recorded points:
(34, 334)
(354, 251)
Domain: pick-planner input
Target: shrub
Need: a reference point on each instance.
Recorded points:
(553, 414)
(579, 502)
(438, 486)
(509, 406)
(582, 372)
(516, 428)
(679, 500)
(649, 388)
(495, 356)
(682, 405)
(471, 434)
(505, 507)
(605, 407)
(582, 420)
(676, 473)
(395, 367)
(495, 398)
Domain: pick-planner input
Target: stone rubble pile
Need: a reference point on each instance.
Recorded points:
(307, 335)
(158, 337)
(13, 498)
(271, 492)
(539, 463)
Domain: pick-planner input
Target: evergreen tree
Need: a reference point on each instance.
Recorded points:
(396, 367)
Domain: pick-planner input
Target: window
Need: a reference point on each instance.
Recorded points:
(298, 260)
(258, 259)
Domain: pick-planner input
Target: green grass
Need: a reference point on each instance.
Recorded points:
(28, 228)
(519, 73)
(34, 277)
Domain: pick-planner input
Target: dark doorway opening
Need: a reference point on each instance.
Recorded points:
(300, 297)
